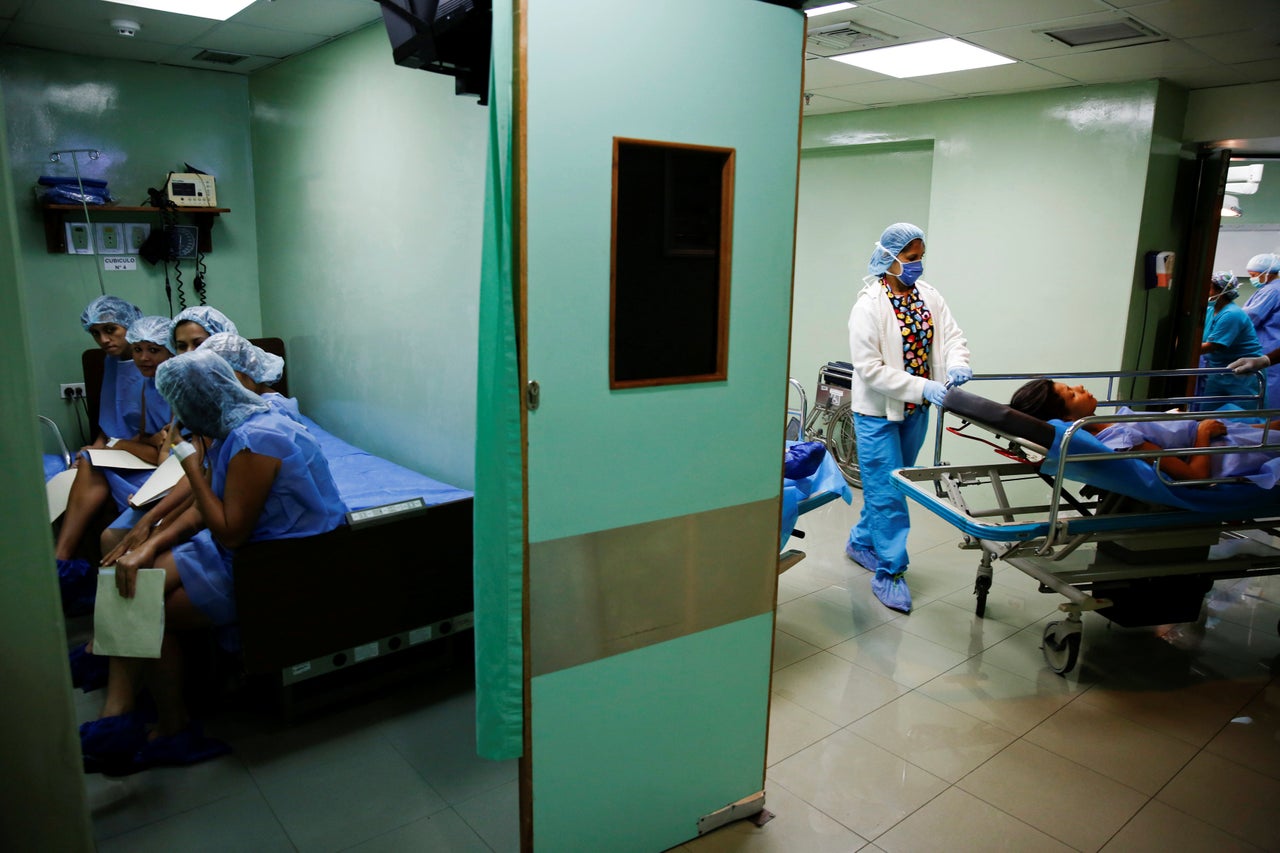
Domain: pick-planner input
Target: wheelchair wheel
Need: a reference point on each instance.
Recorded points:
(843, 445)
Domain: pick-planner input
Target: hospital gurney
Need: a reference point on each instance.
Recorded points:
(1132, 545)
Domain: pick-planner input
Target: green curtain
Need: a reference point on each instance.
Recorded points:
(499, 509)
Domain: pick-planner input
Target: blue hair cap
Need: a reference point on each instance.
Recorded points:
(246, 357)
(894, 239)
(1266, 262)
(153, 328)
(109, 309)
(205, 394)
(206, 317)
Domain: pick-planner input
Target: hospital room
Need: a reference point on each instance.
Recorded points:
(539, 291)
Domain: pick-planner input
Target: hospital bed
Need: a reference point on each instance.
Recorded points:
(1105, 530)
(395, 578)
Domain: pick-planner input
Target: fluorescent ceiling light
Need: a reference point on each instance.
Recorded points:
(918, 59)
(833, 7)
(218, 10)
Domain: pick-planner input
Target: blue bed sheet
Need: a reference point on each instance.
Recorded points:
(365, 480)
(807, 492)
(53, 464)
(1138, 479)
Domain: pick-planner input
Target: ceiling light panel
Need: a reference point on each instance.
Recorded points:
(217, 10)
(829, 8)
(939, 56)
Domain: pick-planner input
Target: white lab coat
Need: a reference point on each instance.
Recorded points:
(880, 383)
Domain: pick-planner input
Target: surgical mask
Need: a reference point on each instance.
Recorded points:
(1255, 280)
(910, 272)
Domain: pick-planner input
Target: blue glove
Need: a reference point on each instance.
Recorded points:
(934, 392)
(957, 376)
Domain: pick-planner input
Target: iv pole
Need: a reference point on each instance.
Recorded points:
(94, 154)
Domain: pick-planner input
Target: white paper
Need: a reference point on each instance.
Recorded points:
(106, 457)
(129, 627)
(57, 489)
(161, 481)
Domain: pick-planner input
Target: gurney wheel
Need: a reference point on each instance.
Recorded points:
(1060, 654)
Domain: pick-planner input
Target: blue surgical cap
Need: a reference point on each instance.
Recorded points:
(894, 239)
(208, 318)
(109, 309)
(244, 357)
(154, 329)
(1266, 262)
(205, 394)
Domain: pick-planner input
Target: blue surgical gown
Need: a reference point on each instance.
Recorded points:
(1260, 466)
(120, 416)
(303, 501)
(1263, 310)
(1229, 327)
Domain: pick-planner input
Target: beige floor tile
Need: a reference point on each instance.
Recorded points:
(1069, 802)
(1230, 796)
(1113, 746)
(834, 614)
(795, 583)
(792, 728)
(788, 649)
(1020, 653)
(1180, 712)
(835, 689)
(894, 653)
(1005, 700)
(957, 821)
(1013, 605)
(866, 788)
(1244, 601)
(1252, 738)
(240, 822)
(1159, 829)
(932, 735)
(795, 826)
(955, 628)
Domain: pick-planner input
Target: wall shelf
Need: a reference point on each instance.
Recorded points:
(55, 215)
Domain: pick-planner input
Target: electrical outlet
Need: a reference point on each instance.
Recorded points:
(79, 238)
(136, 233)
(71, 390)
(110, 238)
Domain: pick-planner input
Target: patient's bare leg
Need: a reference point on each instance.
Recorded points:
(89, 491)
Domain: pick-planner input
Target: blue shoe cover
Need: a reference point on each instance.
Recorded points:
(78, 583)
(108, 740)
(88, 671)
(892, 591)
(189, 746)
(864, 557)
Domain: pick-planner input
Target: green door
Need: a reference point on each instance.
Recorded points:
(653, 449)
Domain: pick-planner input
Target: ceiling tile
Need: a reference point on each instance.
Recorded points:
(1191, 18)
(9, 8)
(1206, 78)
(1030, 42)
(69, 41)
(887, 92)
(1001, 78)
(94, 17)
(821, 73)
(324, 17)
(1245, 46)
(819, 104)
(971, 17)
(901, 30)
(241, 38)
(1257, 72)
(1140, 62)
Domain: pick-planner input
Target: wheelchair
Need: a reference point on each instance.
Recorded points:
(830, 421)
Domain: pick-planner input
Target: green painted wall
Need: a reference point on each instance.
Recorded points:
(42, 802)
(370, 188)
(146, 120)
(1034, 216)
(836, 230)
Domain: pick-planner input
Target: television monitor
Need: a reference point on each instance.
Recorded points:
(443, 36)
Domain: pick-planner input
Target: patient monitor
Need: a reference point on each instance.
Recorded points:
(192, 189)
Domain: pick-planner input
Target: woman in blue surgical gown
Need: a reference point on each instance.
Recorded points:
(1263, 309)
(904, 346)
(1228, 335)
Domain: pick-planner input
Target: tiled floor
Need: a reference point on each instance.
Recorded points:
(940, 731)
(888, 732)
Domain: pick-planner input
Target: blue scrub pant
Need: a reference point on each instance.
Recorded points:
(884, 445)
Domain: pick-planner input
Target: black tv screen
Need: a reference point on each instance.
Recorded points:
(443, 36)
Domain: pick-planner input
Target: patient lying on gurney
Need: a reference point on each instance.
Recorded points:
(1049, 400)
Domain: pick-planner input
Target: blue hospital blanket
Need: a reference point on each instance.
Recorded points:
(810, 482)
(1138, 479)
